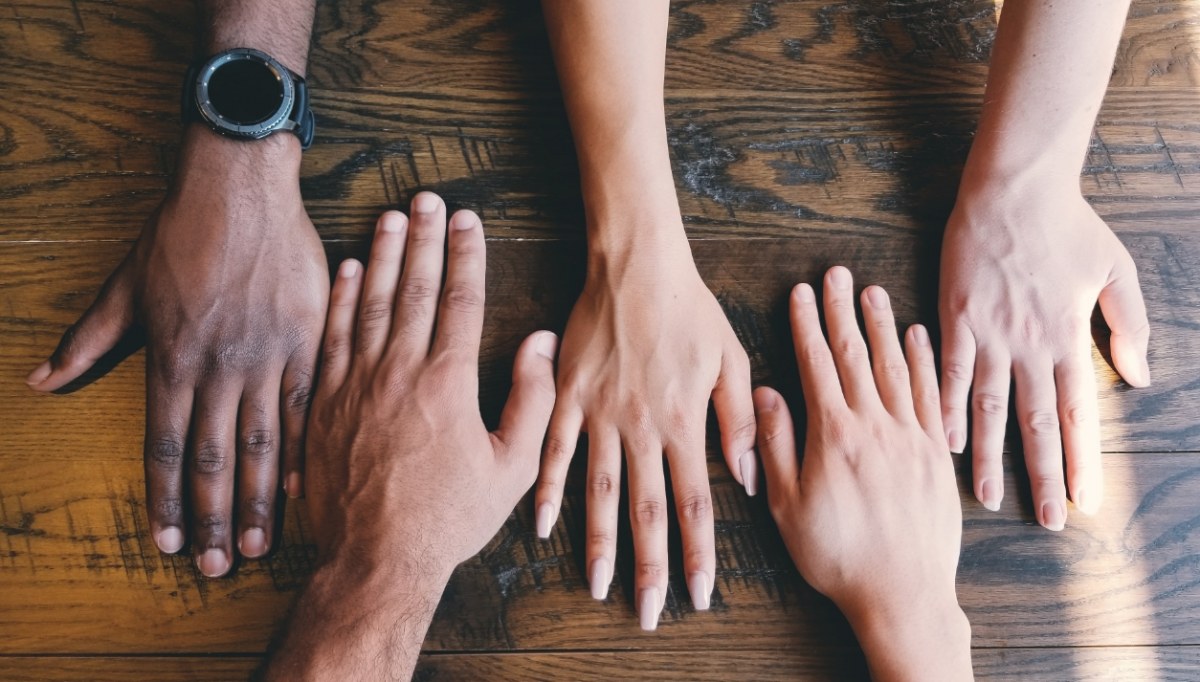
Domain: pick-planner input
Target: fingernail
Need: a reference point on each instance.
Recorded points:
(878, 298)
(425, 202)
(648, 608)
(920, 336)
(956, 440)
(1054, 516)
(546, 345)
(293, 485)
(545, 520)
(749, 473)
(1083, 502)
(804, 293)
(39, 374)
(839, 277)
(253, 543)
(990, 494)
(1143, 377)
(698, 586)
(349, 269)
(464, 220)
(391, 221)
(169, 540)
(213, 563)
(599, 576)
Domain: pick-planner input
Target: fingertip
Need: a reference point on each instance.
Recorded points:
(546, 344)
(426, 202)
(391, 221)
(465, 219)
(39, 374)
(1053, 515)
(839, 277)
(803, 293)
(293, 485)
(169, 540)
(766, 399)
(349, 268)
(918, 336)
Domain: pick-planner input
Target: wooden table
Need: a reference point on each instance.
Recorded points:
(804, 134)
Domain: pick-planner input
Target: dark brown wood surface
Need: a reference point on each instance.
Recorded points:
(804, 133)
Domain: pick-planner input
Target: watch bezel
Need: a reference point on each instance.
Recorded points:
(279, 120)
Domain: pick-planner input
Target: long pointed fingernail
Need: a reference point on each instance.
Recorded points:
(213, 563)
(991, 492)
(253, 543)
(545, 520)
(1085, 502)
(39, 374)
(293, 485)
(1054, 516)
(599, 576)
(648, 608)
(956, 440)
(749, 468)
(1142, 380)
(169, 540)
(698, 587)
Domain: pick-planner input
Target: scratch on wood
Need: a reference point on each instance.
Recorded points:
(387, 194)
(78, 16)
(1167, 150)
(437, 168)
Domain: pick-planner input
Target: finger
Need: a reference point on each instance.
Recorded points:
(603, 508)
(648, 521)
(1125, 312)
(1037, 412)
(168, 411)
(96, 332)
(214, 431)
(777, 445)
(258, 446)
(735, 416)
(565, 423)
(339, 326)
(846, 341)
(460, 315)
(958, 368)
(693, 507)
(818, 375)
(416, 302)
(518, 440)
(1080, 417)
(989, 415)
(922, 374)
(379, 287)
(887, 360)
(294, 401)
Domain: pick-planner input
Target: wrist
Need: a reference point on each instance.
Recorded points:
(926, 638)
(1015, 169)
(275, 157)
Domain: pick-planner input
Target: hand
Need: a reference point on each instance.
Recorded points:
(645, 347)
(872, 517)
(404, 480)
(229, 283)
(1021, 274)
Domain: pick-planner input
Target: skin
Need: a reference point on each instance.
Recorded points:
(1025, 260)
(847, 513)
(647, 345)
(228, 283)
(404, 480)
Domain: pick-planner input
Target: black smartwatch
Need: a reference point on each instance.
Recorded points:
(247, 94)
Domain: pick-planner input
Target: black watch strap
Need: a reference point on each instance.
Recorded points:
(302, 122)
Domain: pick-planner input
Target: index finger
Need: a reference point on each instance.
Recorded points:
(818, 376)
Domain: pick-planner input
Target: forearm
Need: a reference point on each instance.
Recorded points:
(929, 641)
(610, 56)
(281, 28)
(1051, 63)
(352, 623)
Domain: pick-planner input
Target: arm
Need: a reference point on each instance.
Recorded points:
(404, 480)
(1025, 260)
(228, 282)
(848, 514)
(647, 344)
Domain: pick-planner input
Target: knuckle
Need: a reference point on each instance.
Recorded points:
(257, 444)
(650, 513)
(850, 349)
(891, 369)
(336, 346)
(744, 429)
(166, 452)
(1078, 415)
(299, 396)
(814, 353)
(600, 539)
(375, 311)
(601, 485)
(650, 570)
(166, 508)
(211, 457)
(416, 290)
(558, 452)
(256, 507)
(695, 508)
(1042, 422)
(957, 370)
(214, 525)
(990, 404)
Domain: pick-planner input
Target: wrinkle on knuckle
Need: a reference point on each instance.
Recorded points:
(650, 570)
(167, 508)
(600, 538)
(257, 444)
(601, 484)
(851, 349)
(216, 525)
(417, 290)
(957, 370)
(990, 404)
(166, 452)
(695, 508)
(1042, 422)
(299, 397)
(650, 513)
(375, 311)
(1078, 415)
(558, 452)
(256, 507)
(211, 457)
(891, 369)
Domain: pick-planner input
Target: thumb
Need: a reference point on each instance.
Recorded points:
(93, 335)
(1125, 311)
(527, 412)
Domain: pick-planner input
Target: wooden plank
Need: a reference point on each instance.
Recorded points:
(80, 574)
(1053, 664)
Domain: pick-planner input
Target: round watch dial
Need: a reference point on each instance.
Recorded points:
(245, 93)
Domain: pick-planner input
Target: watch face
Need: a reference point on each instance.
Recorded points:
(245, 93)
